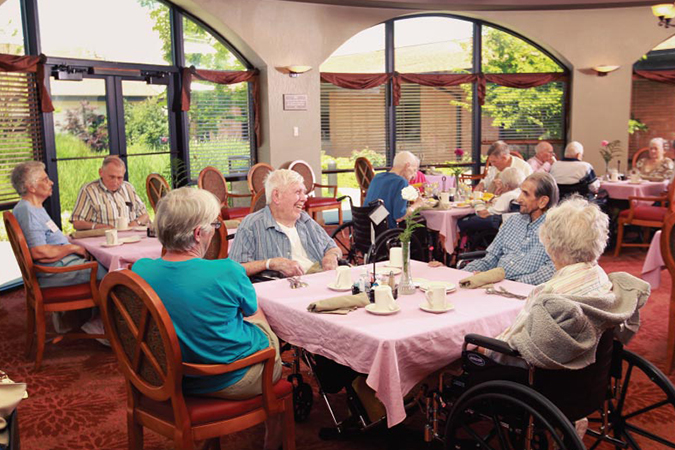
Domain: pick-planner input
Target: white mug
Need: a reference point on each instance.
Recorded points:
(435, 296)
(122, 223)
(396, 257)
(445, 197)
(614, 175)
(111, 237)
(384, 299)
(343, 278)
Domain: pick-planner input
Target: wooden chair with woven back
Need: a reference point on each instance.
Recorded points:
(256, 177)
(145, 343)
(642, 153)
(363, 169)
(668, 254)
(314, 204)
(643, 213)
(156, 187)
(40, 301)
(219, 246)
(259, 201)
(213, 181)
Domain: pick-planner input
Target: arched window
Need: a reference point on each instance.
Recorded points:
(448, 83)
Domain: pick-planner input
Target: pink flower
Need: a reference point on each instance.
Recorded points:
(459, 152)
(604, 143)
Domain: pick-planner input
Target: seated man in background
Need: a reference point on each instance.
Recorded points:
(572, 170)
(387, 186)
(101, 202)
(282, 236)
(517, 248)
(543, 157)
(500, 158)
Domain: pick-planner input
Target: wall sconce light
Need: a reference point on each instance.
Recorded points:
(295, 71)
(602, 71)
(665, 12)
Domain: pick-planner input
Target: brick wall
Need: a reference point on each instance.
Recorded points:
(653, 104)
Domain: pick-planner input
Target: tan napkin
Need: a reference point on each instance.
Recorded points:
(232, 223)
(482, 278)
(88, 233)
(316, 268)
(342, 304)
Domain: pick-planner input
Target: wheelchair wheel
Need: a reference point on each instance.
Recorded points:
(497, 414)
(644, 406)
(344, 238)
(303, 397)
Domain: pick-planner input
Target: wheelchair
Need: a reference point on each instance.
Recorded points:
(496, 406)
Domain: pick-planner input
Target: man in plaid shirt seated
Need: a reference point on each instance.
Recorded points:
(517, 248)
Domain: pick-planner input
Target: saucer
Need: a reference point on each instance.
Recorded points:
(371, 309)
(635, 182)
(332, 287)
(103, 244)
(419, 281)
(424, 307)
(384, 270)
(140, 228)
(449, 287)
(459, 205)
(130, 240)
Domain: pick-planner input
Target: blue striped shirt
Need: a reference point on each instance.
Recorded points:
(259, 237)
(518, 251)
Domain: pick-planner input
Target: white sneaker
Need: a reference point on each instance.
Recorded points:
(95, 326)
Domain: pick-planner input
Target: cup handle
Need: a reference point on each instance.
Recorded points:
(392, 302)
(427, 293)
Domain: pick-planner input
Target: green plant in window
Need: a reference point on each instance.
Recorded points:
(87, 124)
(146, 123)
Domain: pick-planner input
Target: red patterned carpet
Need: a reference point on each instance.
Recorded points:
(77, 399)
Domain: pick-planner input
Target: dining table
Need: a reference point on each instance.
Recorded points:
(621, 190)
(396, 351)
(444, 182)
(445, 222)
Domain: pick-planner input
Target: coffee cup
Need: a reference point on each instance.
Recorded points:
(435, 296)
(445, 197)
(384, 299)
(122, 223)
(111, 237)
(614, 175)
(396, 257)
(343, 278)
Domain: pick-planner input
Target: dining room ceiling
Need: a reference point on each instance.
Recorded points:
(487, 5)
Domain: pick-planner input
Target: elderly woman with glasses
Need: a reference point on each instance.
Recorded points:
(212, 303)
(656, 167)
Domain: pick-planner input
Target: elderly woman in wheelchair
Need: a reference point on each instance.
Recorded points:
(554, 364)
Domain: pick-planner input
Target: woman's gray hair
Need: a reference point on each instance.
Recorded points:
(658, 141)
(280, 179)
(26, 174)
(573, 149)
(575, 231)
(512, 177)
(404, 157)
(180, 212)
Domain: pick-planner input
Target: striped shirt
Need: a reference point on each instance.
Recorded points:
(95, 203)
(259, 237)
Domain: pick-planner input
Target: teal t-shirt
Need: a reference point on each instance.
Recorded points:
(207, 301)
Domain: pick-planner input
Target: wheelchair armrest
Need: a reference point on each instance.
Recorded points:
(471, 255)
(343, 262)
(266, 275)
(491, 344)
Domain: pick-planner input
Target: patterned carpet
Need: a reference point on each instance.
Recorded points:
(77, 399)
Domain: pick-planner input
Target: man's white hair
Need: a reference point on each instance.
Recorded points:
(542, 147)
(512, 177)
(280, 180)
(573, 149)
(404, 157)
(560, 233)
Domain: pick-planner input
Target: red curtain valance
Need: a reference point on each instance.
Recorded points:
(29, 64)
(220, 77)
(662, 76)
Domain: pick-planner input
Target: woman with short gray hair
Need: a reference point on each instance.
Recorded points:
(657, 166)
(212, 303)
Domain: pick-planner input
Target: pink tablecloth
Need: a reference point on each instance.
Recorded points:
(621, 190)
(445, 222)
(651, 269)
(115, 258)
(396, 351)
(449, 181)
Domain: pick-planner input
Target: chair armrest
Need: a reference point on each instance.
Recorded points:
(646, 199)
(217, 369)
(47, 269)
(491, 344)
(471, 255)
(229, 194)
(327, 186)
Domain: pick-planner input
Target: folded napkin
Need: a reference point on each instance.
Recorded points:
(232, 223)
(343, 304)
(482, 278)
(88, 233)
(316, 268)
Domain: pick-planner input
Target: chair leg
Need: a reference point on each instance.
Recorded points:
(135, 433)
(670, 346)
(183, 440)
(619, 239)
(289, 425)
(30, 329)
(41, 337)
(340, 216)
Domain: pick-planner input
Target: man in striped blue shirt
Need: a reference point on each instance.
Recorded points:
(282, 236)
(517, 248)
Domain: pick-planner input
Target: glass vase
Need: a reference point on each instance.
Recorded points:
(406, 285)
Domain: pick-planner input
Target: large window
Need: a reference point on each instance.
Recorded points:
(458, 89)
(11, 32)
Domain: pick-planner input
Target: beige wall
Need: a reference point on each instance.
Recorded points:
(273, 34)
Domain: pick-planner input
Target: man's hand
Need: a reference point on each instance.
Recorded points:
(287, 267)
(483, 213)
(79, 250)
(329, 261)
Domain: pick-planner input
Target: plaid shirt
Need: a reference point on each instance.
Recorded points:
(95, 203)
(518, 251)
(259, 237)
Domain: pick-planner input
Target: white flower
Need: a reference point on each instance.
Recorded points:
(410, 193)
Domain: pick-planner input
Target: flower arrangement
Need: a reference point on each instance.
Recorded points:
(608, 150)
(460, 156)
(459, 153)
(410, 194)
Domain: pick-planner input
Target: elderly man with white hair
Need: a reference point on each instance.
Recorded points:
(543, 158)
(657, 167)
(572, 170)
(282, 237)
(500, 158)
(387, 186)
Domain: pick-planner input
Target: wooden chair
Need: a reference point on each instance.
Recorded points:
(259, 201)
(219, 246)
(668, 253)
(148, 352)
(40, 301)
(213, 181)
(313, 205)
(648, 216)
(156, 187)
(363, 169)
(642, 153)
(256, 177)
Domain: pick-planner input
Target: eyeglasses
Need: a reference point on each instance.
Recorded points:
(216, 225)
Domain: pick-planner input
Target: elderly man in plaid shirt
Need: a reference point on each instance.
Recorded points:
(517, 248)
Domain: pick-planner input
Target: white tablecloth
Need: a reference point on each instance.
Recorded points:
(621, 190)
